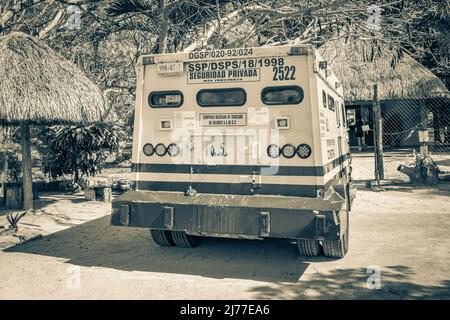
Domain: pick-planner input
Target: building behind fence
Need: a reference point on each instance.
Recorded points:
(407, 124)
(415, 106)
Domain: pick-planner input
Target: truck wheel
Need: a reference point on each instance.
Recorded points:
(162, 237)
(337, 248)
(184, 240)
(308, 248)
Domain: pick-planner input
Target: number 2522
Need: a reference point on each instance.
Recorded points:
(283, 73)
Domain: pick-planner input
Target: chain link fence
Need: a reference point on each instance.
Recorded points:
(415, 126)
(409, 126)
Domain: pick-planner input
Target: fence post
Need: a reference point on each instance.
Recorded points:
(423, 134)
(378, 136)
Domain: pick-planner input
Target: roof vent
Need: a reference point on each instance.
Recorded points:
(299, 51)
(148, 60)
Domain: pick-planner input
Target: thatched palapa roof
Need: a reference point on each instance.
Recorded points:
(39, 86)
(359, 64)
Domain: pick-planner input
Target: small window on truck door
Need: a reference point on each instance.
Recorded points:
(165, 99)
(282, 95)
(324, 99)
(221, 97)
(338, 115)
(331, 103)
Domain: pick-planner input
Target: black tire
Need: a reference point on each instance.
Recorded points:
(308, 247)
(184, 240)
(162, 237)
(337, 248)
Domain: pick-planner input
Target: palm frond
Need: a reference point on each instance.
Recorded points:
(121, 7)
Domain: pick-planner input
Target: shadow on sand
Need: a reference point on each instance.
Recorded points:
(96, 243)
(351, 283)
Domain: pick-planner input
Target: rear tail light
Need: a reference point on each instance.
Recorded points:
(304, 151)
(173, 150)
(160, 149)
(273, 151)
(288, 151)
(148, 149)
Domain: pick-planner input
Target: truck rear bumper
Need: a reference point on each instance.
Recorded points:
(232, 216)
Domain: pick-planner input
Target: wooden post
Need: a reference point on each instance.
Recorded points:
(13, 196)
(378, 136)
(424, 129)
(26, 166)
(5, 170)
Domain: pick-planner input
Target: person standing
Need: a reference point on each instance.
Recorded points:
(359, 133)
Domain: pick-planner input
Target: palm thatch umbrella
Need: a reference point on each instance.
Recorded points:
(359, 63)
(39, 87)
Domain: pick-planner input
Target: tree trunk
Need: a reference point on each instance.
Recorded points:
(218, 43)
(76, 175)
(164, 27)
(26, 166)
(5, 170)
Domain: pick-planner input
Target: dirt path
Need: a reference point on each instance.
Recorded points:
(402, 231)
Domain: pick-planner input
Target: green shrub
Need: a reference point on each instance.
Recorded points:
(76, 150)
(13, 166)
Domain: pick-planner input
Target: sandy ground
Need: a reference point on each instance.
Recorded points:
(402, 232)
(363, 164)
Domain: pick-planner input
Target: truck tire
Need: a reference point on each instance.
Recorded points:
(337, 248)
(184, 240)
(308, 247)
(162, 237)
